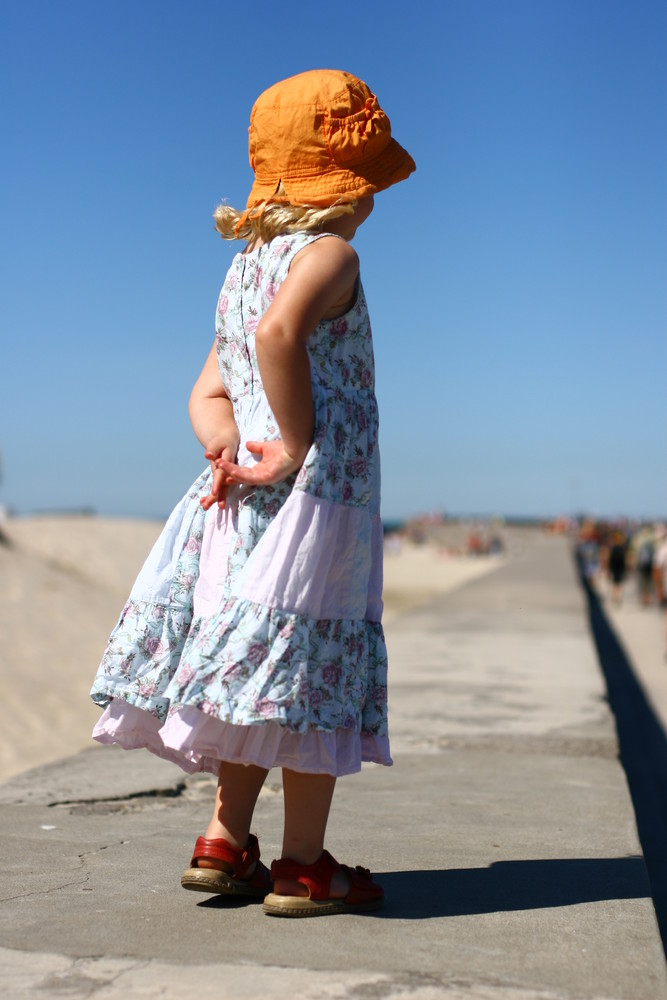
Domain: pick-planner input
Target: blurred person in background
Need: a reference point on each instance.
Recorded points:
(660, 573)
(643, 550)
(617, 564)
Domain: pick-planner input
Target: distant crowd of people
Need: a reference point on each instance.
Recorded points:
(615, 553)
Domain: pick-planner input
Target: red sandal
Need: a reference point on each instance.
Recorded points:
(364, 894)
(233, 881)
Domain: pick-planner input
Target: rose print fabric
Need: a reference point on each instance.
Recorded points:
(253, 634)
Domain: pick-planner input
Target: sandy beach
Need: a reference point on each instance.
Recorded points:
(63, 582)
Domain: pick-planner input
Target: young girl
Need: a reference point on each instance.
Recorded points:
(252, 636)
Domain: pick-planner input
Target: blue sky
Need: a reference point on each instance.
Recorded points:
(516, 281)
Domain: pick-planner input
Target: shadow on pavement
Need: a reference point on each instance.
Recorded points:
(643, 747)
(227, 902)
(502, 887)
(511, 885)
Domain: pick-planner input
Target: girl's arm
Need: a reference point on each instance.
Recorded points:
(212, 419)
(320, 285)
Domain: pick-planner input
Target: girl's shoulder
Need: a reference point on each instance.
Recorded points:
(329, 269)
(330, 253)
(276, 257)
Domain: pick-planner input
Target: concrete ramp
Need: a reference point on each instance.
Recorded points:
(504, 836)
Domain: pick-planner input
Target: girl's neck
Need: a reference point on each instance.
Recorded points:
(254, 244)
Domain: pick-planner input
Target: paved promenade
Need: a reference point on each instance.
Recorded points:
(504, 836)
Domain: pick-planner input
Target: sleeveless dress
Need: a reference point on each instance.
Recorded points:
(252, 634)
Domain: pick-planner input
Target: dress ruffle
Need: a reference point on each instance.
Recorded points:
(252, 663)
(141, 656)
(198, 742)
(247, 665)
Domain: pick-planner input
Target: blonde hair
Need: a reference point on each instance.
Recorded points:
(271, 218)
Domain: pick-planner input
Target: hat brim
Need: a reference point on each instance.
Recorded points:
(336, 184)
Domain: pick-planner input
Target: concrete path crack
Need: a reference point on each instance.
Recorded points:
(153, 793)
(46, 892)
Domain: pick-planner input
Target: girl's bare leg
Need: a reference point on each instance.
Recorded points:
(307, 803)
(238, 788)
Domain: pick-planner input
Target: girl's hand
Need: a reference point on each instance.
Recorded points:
(275, 464)
(218, 451)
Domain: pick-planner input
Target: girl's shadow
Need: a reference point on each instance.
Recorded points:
(511, 885)
(504, 886)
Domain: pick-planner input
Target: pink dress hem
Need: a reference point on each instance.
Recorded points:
(199, 742)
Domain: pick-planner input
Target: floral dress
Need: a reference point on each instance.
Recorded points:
(252, 634)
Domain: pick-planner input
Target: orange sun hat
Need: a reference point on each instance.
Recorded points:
(324, 135)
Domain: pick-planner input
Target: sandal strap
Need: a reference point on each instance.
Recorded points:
(317, 877)
(362, 886)
(240, 858)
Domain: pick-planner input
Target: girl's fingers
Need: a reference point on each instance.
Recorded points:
(237, 473)
(229, 468)
(219, 489)
(273, 466)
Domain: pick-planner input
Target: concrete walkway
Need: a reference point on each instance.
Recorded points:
(504, 836)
